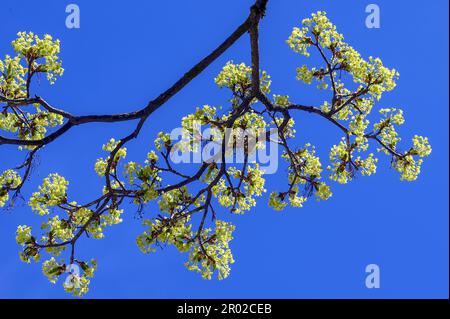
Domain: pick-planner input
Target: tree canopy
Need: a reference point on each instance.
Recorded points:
(188, 216)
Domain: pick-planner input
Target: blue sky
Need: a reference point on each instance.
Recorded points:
(124, 55)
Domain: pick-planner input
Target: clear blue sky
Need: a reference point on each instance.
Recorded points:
(125, 53)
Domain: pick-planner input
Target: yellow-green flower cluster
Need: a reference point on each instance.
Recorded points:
(408, 165)
(78, 285)
(358, 125)
(52, 269)
(52, 192)
(386, 129)
(250, 127)
(23, 234)
(33, 127)
(281, 100)
(239, 200)
(421, 146)
(339, 158)
(60, 229)
(238, 78)
(34, 55)
(318, 26)
(250, 120)
(27, 241)
(97, 226)
(305, 74)
(214, 254)
(12, 78)
(174, 200)
(276, 201)
(319, 32)
(323, 191)
(102, 163)
(81, 215)
(148, 176)
(294, 199)
(9, 179)
(288, 131)
(166, 231)
(191, 128)
(304, 172)
(113, 217)
(163, 139)
(309, 167)
(32, 48)
(299, 41)
(368, 166)
(75, 283)
(202, 115)
(342, 161)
